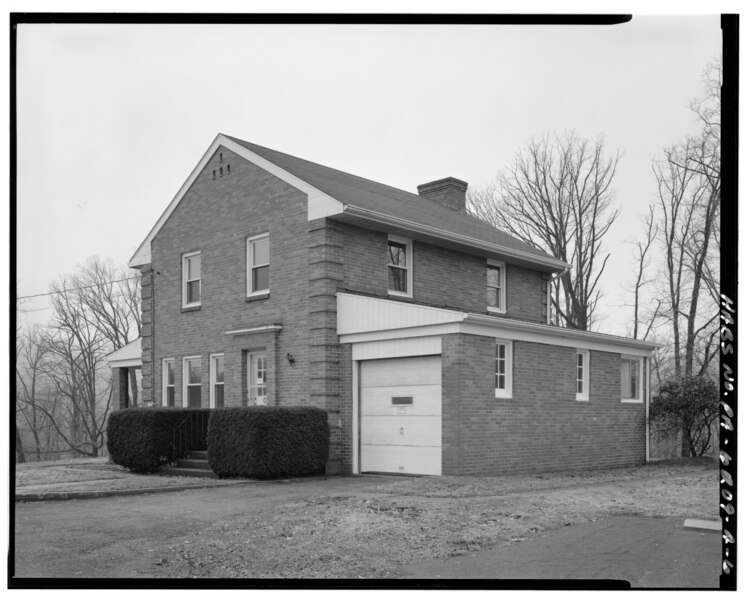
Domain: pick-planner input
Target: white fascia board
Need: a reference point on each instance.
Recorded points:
(322, 204)
(364, 213)
(558, 336)
(366, 319)
(130, 362)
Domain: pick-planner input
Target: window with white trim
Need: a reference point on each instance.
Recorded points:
(216, 379)
(258, 260)
(495, 285)
(503, 368)
(631, 379)
(192, 381)
(168, 382)
(399, 266)
(192, 279)
(582, 375)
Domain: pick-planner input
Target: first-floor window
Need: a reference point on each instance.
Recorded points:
(257, 386)
(192, 381)
(216, 398)
(503, 369)
(168, 379)
(631, 378)
(582, 375)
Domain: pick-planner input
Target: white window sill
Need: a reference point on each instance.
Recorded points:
(400, 294)
(582, 399)
(496, 310)
(632, 401)
(503, 394)
(258, 293)
(193, 305)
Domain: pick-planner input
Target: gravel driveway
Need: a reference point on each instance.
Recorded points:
(354, 527)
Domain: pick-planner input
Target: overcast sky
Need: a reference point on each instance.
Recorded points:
(112, 119)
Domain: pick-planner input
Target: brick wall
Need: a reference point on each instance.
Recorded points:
(216, 216)
(441, 277)
(542, 427)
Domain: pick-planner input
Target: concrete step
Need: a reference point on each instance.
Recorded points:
(193, 463)
(180, 472)
(199, 454)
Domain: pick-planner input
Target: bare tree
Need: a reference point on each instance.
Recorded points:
(558, 197)
(30, 389)
(688, 186)
(95, 311)
(642, 279)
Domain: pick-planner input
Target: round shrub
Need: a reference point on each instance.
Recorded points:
(265, 442)
(141, 439)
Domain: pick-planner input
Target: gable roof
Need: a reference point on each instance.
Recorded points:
(347, 197)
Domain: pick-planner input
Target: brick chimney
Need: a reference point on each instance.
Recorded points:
(450, 192)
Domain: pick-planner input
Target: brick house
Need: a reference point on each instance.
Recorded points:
(422, 331)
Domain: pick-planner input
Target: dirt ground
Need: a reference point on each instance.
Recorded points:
(355, 527)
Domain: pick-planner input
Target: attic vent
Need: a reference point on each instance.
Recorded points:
(221, 157)
(213, 174)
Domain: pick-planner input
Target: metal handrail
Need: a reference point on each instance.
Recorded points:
(189, 434)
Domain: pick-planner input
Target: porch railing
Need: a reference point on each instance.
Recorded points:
(190, 434)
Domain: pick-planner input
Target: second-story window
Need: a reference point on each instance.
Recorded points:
(400, 267)
(192, 279)
(258, 265)
(496, 286)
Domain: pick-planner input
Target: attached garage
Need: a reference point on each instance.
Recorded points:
(400, 415)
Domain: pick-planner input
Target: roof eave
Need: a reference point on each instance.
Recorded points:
(549, 264)
(563, 332)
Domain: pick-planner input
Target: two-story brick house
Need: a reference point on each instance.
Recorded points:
(421, 330)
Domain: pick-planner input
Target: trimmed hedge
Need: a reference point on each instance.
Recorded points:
(140, 439)
(264, 442)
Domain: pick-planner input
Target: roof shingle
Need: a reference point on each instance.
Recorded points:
(364, 193)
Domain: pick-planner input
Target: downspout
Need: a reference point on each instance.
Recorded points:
(153, 337)
(647, 399)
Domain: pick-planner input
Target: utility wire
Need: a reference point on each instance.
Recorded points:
(85, 287)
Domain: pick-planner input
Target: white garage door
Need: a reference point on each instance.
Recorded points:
(400, 415)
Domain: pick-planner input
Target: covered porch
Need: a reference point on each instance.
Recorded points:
(126, 365)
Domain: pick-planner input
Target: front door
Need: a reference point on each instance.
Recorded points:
(257, 395)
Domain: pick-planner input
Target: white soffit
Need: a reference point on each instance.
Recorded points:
(319, 203)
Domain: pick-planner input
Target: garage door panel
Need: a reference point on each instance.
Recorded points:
(421, 370)
(426, 400)
(402, 438)
(419, 460)
(396, 430)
